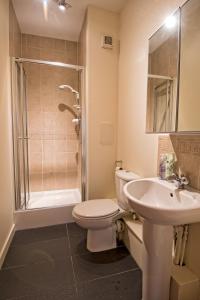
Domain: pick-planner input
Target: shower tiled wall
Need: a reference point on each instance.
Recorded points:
(36, 47)
(53, 143)
(15, 37)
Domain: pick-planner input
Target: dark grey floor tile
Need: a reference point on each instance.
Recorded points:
(48, 278)
(94, 265)
(77, 239)
(125, 286)
(37, 252)
(58, 296)
(75, 230)
(39, 234)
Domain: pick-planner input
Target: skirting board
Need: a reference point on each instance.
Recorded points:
(7, 245)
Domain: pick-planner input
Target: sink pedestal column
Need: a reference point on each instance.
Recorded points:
(157, 261)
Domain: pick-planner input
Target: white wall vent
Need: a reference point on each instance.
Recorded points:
(107, 41)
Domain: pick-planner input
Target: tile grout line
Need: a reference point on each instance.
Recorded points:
(84, 254)
(40, 241)
(71, 259)
(74, 276)
(112, 275)
(32, 264)
(67, 234)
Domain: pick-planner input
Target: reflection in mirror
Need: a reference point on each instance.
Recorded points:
(162, 77)
(189, 97)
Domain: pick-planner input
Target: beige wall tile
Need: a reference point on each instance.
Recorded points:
(59, 45)
(35, 145)
(187, 151)
(35, 121)
(66, 180)
(15, 37)
(53, 138)
(35, 162)
(48, 122)
(36, 182)
(48, 182)
(47, 43)
(33, 41)
(32, 53)
(47, 54)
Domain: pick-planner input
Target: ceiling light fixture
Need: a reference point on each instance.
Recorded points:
(63, 5)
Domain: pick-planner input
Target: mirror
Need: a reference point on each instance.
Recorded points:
(162, 77)
(189, 89)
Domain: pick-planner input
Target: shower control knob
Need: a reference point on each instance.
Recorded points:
(77, 106)
(76, 121)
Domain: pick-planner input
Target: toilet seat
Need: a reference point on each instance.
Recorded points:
(96, 209)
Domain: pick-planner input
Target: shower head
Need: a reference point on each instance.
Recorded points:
(63, 107)
(66, 86)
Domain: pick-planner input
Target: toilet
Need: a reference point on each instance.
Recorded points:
(99, 216)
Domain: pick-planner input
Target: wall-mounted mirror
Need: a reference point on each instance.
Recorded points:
(189, 91)
(163, 77)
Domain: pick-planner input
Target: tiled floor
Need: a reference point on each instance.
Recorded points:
(52, 263)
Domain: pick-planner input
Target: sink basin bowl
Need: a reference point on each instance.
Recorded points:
(162, 203)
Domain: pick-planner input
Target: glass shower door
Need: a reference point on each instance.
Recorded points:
(20, 136)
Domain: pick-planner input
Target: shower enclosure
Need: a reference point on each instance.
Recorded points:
(47, 133)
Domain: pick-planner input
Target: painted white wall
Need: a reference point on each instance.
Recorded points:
(139, 20)
(6, 174)
(101, 101)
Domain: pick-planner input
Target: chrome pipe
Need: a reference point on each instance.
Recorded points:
(50, 63)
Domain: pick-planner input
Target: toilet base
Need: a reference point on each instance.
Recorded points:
(102, 239)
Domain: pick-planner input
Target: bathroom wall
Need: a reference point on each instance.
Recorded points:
(6, 178)
(37, 47)
(138, 150)
(15, 37)
(101, 100)
(139, 20)
(53, 144)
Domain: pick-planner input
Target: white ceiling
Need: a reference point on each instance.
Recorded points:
(51, 22)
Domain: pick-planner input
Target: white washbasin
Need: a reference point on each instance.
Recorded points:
(162, 203)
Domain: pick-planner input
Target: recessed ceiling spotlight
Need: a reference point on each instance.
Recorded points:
(63, 5)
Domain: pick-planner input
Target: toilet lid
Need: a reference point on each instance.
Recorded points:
(96, 208)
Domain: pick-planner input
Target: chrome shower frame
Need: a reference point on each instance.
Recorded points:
(18, 62)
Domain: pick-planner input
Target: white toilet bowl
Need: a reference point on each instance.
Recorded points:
(99, 216)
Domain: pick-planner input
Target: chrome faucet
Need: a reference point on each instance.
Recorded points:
(180, 181)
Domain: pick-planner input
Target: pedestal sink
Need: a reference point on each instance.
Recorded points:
(162, 206)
